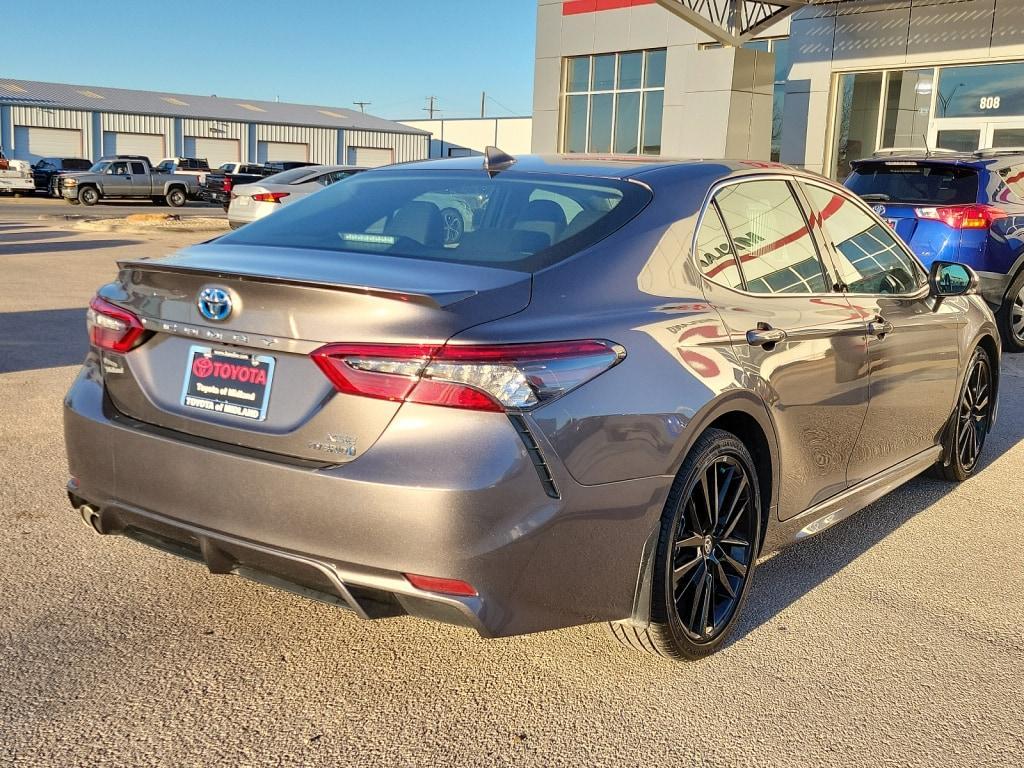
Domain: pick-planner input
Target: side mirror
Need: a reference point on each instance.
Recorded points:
(948, 278)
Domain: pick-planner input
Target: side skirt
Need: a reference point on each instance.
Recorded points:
(824, 515)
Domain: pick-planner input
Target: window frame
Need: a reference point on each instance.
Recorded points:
(829, 246)
(615, 91)
(828, 269)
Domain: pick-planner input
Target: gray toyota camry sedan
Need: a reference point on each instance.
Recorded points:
(623, 382)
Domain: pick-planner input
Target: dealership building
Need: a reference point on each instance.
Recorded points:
(813, 84)
(55, 120)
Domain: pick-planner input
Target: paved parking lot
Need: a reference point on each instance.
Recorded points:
(894, 639)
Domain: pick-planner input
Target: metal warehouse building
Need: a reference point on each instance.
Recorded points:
(55, 120)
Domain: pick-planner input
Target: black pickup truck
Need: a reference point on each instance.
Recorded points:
(219, 183)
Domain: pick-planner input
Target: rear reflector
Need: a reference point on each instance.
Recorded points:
(962, 216)
(112, 328)
(508, 377)
(270, 197)
(442, 586)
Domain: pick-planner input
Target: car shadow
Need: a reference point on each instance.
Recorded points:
(24, 237)
(17, 226)
(794, 571)
(20, 249)
(45, 338)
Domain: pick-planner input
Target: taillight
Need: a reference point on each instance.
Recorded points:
(270, 197)
(962, 216)
(112, 328)
(503, 377)
(228, 184)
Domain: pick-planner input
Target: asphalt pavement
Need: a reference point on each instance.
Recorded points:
(41, 207)
(896, 638)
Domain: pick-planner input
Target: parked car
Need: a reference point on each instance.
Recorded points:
(191, 166)
(629, 381)
(962, 207)
(218, 184)
(276, 166)
(127, 176)
(16, 177)
(262, 198)
(46, 171)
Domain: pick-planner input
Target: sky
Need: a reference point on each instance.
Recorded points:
(392, 53)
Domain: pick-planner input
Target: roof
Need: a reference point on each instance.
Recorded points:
(100, 99)
(608, 166)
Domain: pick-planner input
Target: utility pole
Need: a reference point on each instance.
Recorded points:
(362, 105)
(483, 100)
(431, 108)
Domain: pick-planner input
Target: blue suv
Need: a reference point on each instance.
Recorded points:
(958, 207)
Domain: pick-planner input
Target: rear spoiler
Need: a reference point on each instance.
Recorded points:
(435, 300)
(926, 151)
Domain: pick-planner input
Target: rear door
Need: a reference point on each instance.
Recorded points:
(801, 342)
(913, 350)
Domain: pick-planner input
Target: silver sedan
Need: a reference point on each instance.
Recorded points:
(254, 201)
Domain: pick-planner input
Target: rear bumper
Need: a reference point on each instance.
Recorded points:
(992, 286)
(477, 512)
(17, 184)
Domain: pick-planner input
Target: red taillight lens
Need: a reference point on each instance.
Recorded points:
(484, 378)
(270, 197)
(444, 586)
(112, 328)
(228, 184)
(962, 216)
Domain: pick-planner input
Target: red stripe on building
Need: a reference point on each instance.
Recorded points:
(573, 7)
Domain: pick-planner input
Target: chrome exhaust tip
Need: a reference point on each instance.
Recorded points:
(90, 516)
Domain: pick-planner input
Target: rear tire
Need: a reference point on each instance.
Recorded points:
(1011, 316)
(707, 553)
(970, 420)
(175, 197)
(88, 196)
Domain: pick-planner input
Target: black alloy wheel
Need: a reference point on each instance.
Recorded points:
(972, 419)
(88, 196)
(707, 552)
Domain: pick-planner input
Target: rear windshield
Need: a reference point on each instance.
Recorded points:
(915, 183)
(523, 222)
(291, 176)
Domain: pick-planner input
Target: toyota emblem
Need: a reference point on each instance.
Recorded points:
(879, 209)
(214, 303)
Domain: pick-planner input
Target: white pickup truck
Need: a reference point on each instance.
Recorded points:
(16, 177)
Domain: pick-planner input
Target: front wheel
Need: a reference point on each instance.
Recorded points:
(707, 552)
(1011, 316)
(88, 196)
(971, 420)
(175, 198)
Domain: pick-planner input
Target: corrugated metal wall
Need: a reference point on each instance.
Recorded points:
(213, 129)
(406, 146)
(322, 142)
(45, 117)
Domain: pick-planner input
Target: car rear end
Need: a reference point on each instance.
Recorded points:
(950, 209)
(250, 202)
(296, 403)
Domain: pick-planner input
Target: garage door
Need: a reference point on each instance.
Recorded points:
(149, 144)
(216, 151)
(368, 157)
(33, 143)
(281, 150)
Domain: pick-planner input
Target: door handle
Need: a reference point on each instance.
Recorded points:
(879, 327)
(765, 336)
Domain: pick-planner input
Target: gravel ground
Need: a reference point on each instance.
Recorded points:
(896, 638)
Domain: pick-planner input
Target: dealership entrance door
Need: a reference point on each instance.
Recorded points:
(969, 134)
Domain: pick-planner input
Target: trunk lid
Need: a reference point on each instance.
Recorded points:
(285, 303)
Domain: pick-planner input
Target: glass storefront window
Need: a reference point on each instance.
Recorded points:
(613, 102)
(908, 108)
(857, 115)
(987, 91)
(958, 139)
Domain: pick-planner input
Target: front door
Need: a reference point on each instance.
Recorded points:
(913, 354)
(118, 180)
(798, 342)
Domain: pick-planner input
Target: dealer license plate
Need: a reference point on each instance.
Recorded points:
(228, 382)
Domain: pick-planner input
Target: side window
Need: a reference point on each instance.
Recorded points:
(138, 168)
(869, 258)
(770, 237)
(119, 169)
(715, 256)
